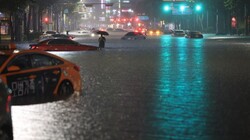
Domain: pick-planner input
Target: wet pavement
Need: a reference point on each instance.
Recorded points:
(156, 89)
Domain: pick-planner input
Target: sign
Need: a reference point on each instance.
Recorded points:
(143, 18)
(179, 9)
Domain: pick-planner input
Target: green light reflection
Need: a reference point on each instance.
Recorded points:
(180, 103)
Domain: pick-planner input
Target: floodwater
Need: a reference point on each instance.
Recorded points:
(156, 89)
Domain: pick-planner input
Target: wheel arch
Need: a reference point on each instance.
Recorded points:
(61, 82)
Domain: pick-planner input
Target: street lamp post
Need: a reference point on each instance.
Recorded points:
(0, 31)
(246, 20)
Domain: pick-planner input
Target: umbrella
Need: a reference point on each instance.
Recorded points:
(102, 32)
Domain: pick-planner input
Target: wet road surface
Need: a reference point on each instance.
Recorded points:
(156, 89)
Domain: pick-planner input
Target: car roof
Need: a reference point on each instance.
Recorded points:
(178, 30)
(16, 51)
(49, 39)
(133, 33)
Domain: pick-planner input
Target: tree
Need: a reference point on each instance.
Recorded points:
(14, 9)
(239, 9)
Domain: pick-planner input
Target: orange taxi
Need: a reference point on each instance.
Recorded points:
(32, 72)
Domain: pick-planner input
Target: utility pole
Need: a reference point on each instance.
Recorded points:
(0, 31)
(246, 20)
(217, 22)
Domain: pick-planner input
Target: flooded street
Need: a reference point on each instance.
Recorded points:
(155, 89)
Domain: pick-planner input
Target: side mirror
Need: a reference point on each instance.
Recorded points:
(13, 68)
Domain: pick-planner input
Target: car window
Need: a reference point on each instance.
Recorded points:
(44, 41)
(22, 61)
(62, 42)
(60, 35)
(179, 32)
(50, 32)
(39, 60)
(69, 42)
(55, 42)
(130, 34)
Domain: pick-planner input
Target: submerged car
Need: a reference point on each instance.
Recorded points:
(133, 36)
(154, 32)
(33, 72)
(50, 32)
(85, 33)
(55, 36)
(61, 45)
(6, 129)
(178, 33)
(193, 34)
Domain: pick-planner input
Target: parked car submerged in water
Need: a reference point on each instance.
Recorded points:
(134, 36)
(154, 32)
(194, 34)
(178, 33)
(55, 36)
(61, 45)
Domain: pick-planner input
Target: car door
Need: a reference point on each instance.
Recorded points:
(72, 45)
(49, 71)
(57, 44)
(22, 81)
(36, 75)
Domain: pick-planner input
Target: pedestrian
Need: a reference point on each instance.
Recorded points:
(102, 41)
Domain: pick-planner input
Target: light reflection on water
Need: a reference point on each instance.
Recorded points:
(179, 105)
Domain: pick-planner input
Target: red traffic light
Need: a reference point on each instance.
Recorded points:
(46, 19)
(233, 22)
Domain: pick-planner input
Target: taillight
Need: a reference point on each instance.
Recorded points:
(33, 47)
(77, 68)
(8, 103)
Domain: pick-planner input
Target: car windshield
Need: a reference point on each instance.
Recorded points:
(59, 35)
(179, 32)
(50, 32)
(62, 42)
(131, 34)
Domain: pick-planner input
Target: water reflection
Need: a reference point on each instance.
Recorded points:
(179, 104)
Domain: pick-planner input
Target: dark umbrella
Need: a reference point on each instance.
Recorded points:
(102, 32)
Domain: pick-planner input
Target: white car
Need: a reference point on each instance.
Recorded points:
(81, 33)
(178, 33)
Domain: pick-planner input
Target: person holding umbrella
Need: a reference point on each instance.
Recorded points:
(102, 39)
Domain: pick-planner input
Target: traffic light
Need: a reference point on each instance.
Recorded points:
(198, 7)
(233, 22)
(167, 8)
(182, 8)
(46, 20)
